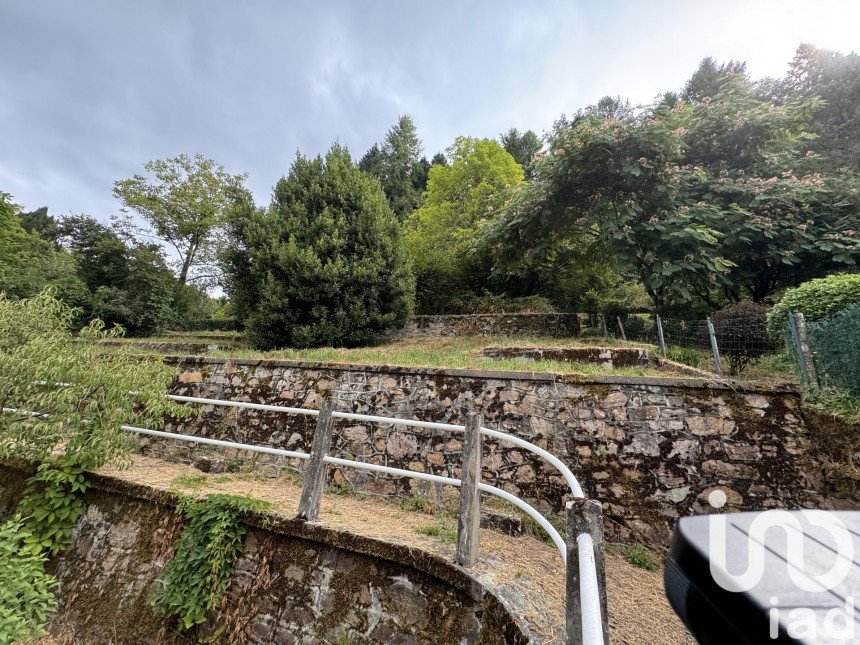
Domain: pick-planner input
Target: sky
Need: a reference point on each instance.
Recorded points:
(93, 89)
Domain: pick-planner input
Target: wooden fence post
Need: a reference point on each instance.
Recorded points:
(805, 351)
(584, 516)
(469, 518)
(621, 327)
(714, 349)
(603, 324)
(660, 338)
(314, 482)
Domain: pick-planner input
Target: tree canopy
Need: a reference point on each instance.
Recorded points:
(324, 264)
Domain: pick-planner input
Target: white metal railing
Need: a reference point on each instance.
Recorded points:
(590, 603)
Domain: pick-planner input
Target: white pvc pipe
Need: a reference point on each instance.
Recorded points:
(360, 465)
(243, 404)
(589, 595)
(569, 477)
(217, 442)
(575, 488)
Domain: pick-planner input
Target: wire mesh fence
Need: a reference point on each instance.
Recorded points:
(834, 346)
(740, 346)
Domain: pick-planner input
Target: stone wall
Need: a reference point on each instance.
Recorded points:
(555, 325)
(606, 356)
(294, 582)
(649, 448)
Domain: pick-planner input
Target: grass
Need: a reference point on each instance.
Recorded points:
(418, 504)
(451, 352)
(443, 529)
(839, 403)
(193, 482)
(639, 556)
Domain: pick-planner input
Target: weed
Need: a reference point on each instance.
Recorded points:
(194, 482)
(442, 529)
(418, 504)
(639, 556)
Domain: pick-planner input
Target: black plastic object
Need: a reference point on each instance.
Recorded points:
(775, 609)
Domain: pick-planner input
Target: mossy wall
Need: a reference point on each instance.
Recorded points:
(293, 583)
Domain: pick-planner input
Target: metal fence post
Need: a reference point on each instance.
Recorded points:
(714, 349)
(309, 504)
(660, 338)
(805, 351)
(584, 521)
(469, 518)
(621, 327)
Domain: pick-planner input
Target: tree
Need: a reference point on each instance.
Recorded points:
(183, 203)
(710, 77)
(29, 264)
(324, 264)
(702, 202)
(524, 148)
(461, 199)
(835, 78)
(398, 165)
(129, 284)
(40, 223)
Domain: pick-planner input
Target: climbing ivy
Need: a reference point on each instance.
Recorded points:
(26, 599)
(212, 536)
(64, 398)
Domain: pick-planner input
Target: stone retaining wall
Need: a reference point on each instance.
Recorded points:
(293, 583)
(555, 325)
(605, 356)
(649, 448)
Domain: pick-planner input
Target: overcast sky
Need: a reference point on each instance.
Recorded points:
(91, 90)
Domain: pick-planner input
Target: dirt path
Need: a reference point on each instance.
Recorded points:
(528, 572)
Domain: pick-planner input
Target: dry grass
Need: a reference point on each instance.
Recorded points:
(528, 571)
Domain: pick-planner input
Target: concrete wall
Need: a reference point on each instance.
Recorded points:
(650, 449)
(294, 583)
(557, 325)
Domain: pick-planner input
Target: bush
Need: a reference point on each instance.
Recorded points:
(325, 264)
(741, 333)
(815, 299)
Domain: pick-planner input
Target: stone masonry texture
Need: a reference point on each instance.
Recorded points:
(650, 449)
(285, 588)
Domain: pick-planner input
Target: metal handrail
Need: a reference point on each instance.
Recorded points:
(591, 626)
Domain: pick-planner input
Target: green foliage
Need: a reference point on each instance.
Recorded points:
(708, 201)
(462, 198)
(639, 556)
(398, 165)
(442, 529)
(814, 299)
(80, 392)
(26, 597)
(51, 505)
(740, 328)
(129, 283)
(418, 504)
(29, 264)
(685, 355)
(183, 201)
(212, 537)
(835, 401)
(325, 263)
(835, 342)
(524, 148)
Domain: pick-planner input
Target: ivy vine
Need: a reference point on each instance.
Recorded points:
(197, 576)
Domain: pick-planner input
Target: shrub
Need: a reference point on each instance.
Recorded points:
(325, 264)
(815, 299)
(26, 599)
(741, 333)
